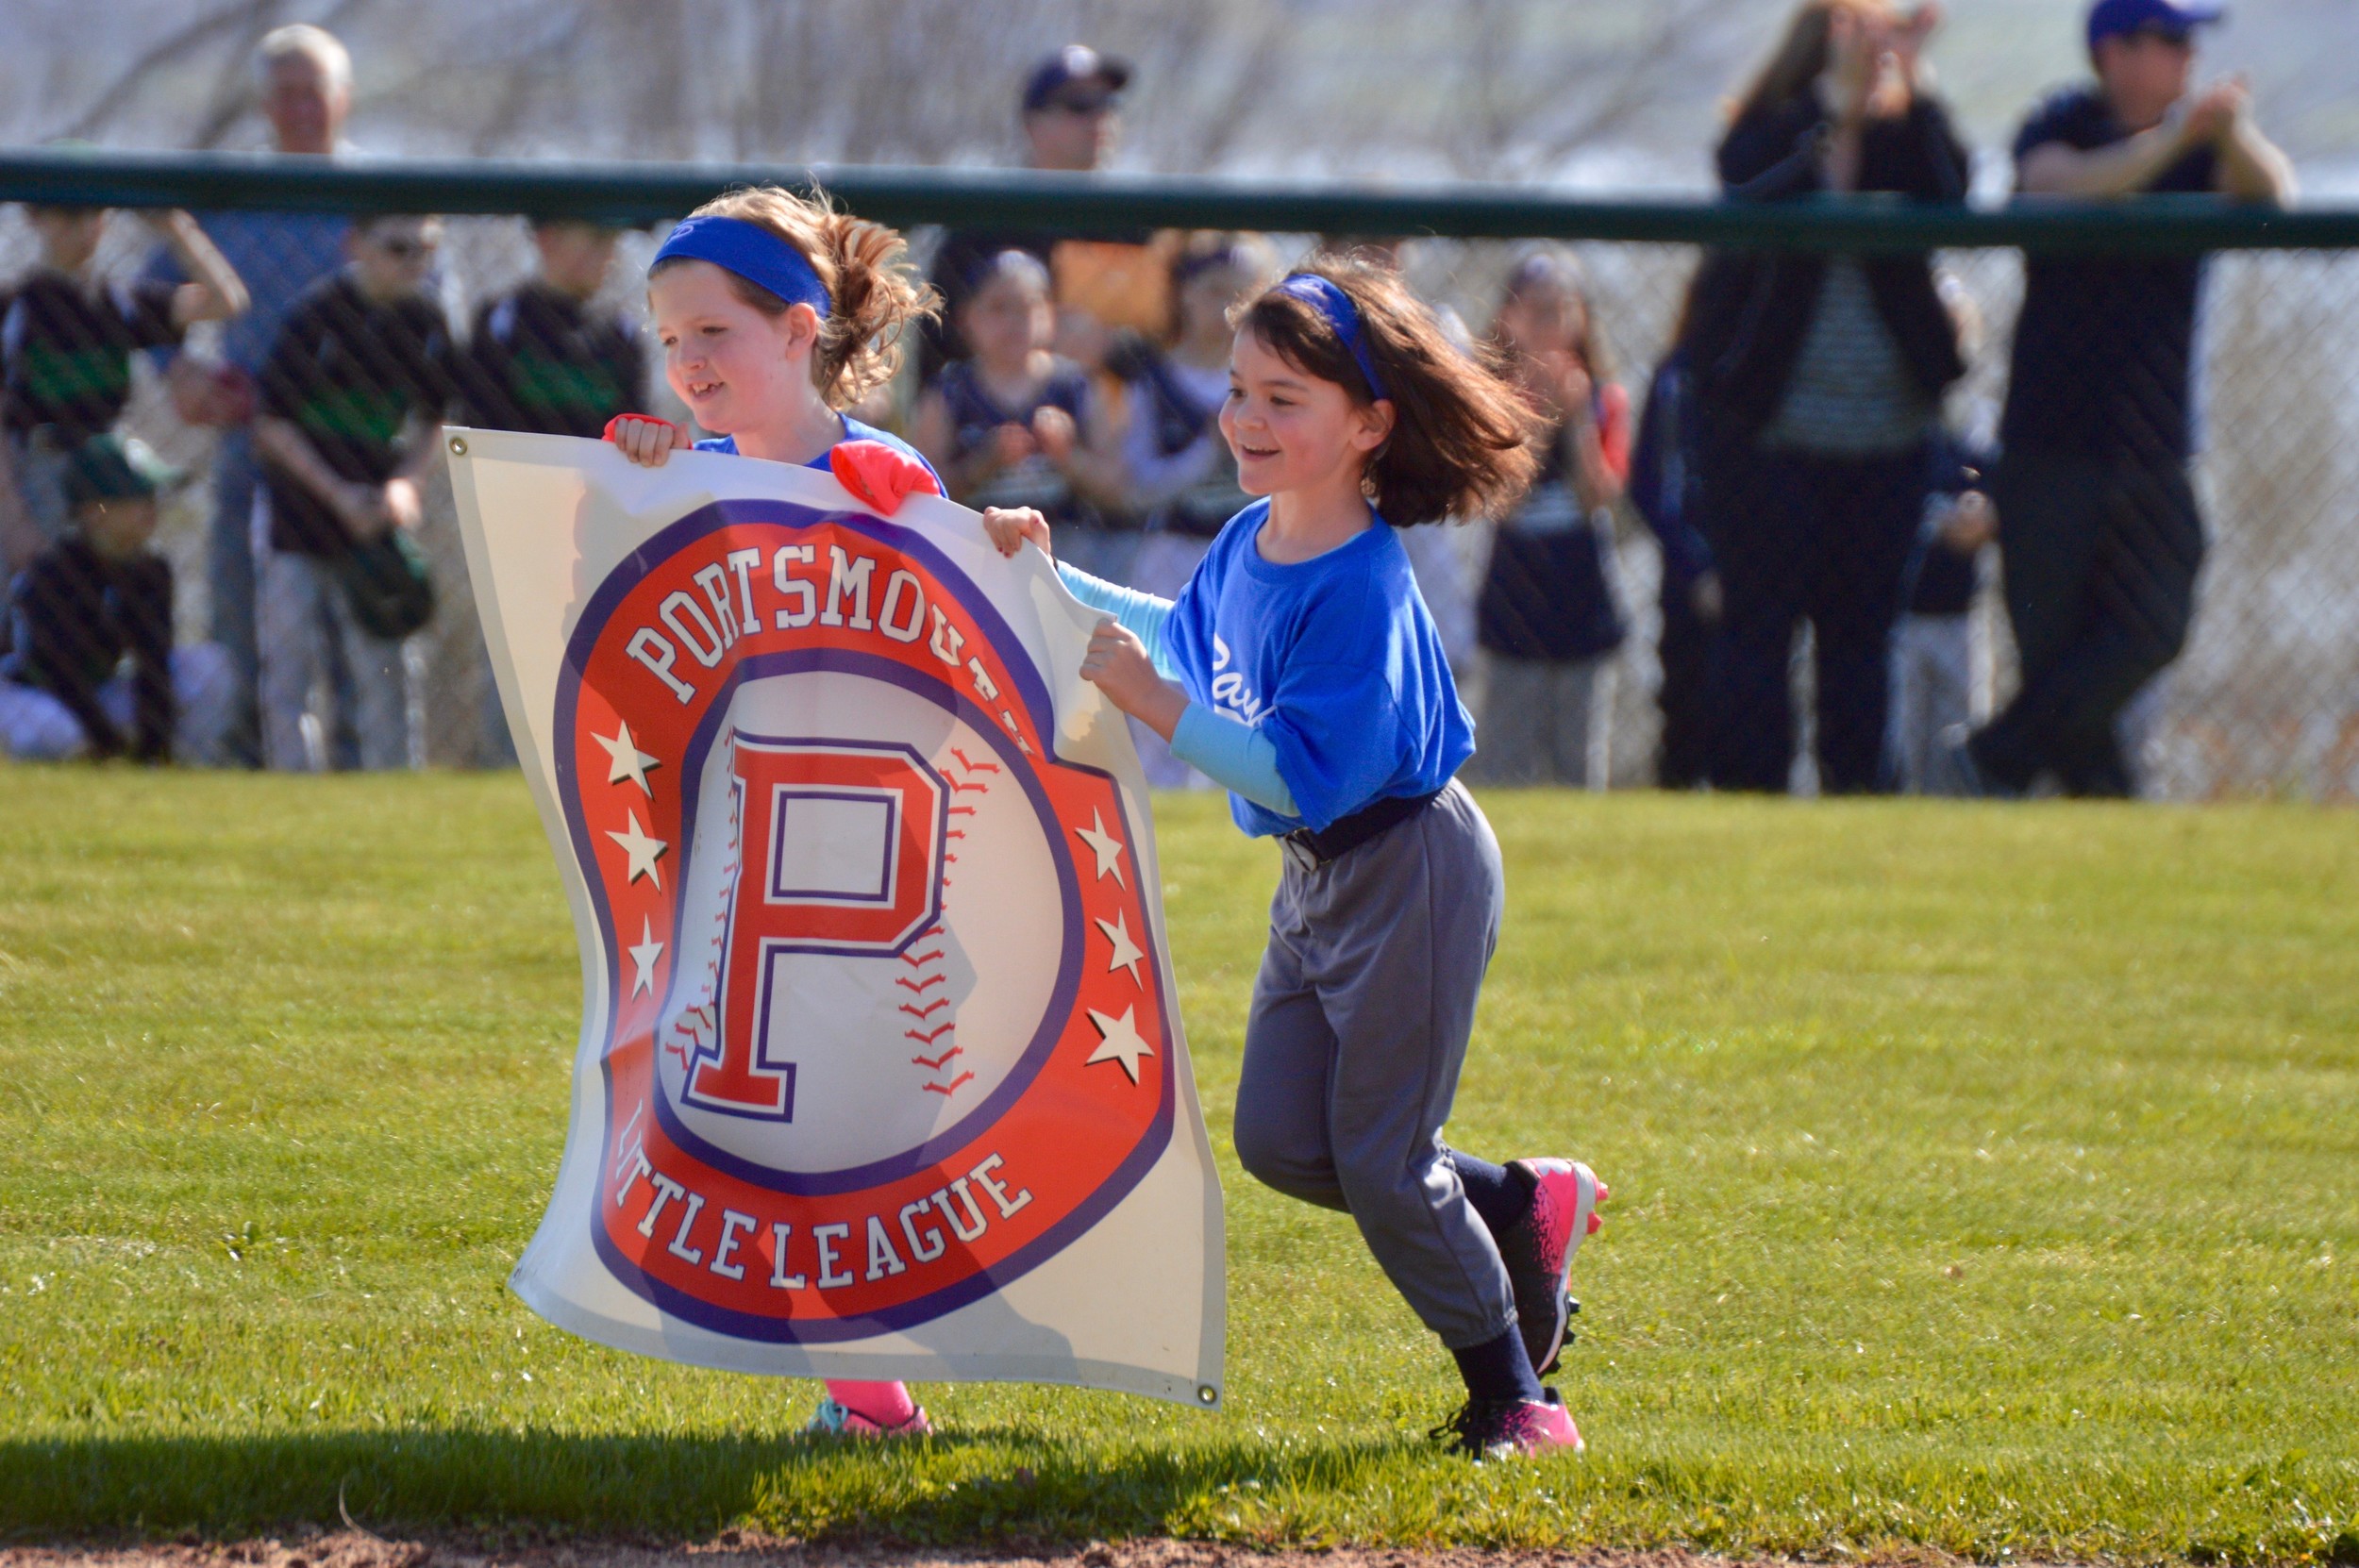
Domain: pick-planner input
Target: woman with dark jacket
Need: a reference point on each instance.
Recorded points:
(1820, 378)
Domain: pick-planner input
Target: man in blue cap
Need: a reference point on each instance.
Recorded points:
(1072, 116)
(2101, 532)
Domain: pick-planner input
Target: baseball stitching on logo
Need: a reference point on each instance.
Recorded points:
(933, 1023)
(698, 1028)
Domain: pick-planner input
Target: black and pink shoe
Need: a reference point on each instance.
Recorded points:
(1538, 1252)
(1513, 1429)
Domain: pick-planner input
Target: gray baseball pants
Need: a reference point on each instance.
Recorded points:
(1361, 1018)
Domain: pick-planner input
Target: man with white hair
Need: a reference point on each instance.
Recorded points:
(304, 90)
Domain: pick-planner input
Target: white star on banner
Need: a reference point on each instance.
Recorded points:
(644, 956)
(627, 760)
(1121, 1041)
(1126, 952)
(1104, 845)
(643, 851)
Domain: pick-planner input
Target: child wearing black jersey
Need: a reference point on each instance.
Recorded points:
(67, 337)
(96, 600)
(352, 396)
(545, 355)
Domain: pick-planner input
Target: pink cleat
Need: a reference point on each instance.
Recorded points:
(1513, 1429)
(1538, 1252)
(869, 1410)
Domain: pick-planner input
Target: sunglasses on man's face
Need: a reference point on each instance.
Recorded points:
(2177, 38)
(405, 248)
(1082, 103)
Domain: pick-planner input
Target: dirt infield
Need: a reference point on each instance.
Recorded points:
(361, 1549)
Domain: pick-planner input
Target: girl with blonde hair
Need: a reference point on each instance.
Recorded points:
(777, 314)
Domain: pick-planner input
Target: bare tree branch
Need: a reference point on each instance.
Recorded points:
(171, 50)
(1521, 108)
(233, 87)
(1229, 119)
(513, 108)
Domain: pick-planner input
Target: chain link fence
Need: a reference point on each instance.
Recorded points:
(2264, 699)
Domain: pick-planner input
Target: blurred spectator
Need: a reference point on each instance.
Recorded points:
(92, 600)
(1666, 492)
(1014, 424)
(1179, 471)
(351, 398)
(545, 357)
(67, 340)
(1932, 646)
(1547, 616)
(1823, 378)
(1071, 110)
(19, 535)
(2103, 537)
(305, 81)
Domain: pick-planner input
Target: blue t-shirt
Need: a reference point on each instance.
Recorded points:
(1334, 658)
(853, 430)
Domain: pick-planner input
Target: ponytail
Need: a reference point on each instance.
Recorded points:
(864, 268)
(1465, 442)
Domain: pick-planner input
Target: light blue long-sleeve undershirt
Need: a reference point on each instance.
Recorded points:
(1229, 752)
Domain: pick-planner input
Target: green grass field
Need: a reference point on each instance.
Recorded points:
(1986, 1179)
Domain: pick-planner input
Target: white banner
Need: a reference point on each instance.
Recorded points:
(880, 1072)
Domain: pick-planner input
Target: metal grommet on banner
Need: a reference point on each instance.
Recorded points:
(457, 446)
(1207, 1395)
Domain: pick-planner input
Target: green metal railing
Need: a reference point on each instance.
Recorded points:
(2264, 699)
(1107, 204)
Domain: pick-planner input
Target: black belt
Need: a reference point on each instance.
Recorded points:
(1311, 850)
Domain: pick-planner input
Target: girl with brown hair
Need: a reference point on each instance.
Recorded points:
(1312, 682)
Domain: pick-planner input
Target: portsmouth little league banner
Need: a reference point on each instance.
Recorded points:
(880, 1072)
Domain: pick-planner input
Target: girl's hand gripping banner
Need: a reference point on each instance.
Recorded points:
(880, 1072)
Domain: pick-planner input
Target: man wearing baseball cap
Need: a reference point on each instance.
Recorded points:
(2102, 533)
(1070, 102)
(1071, 112)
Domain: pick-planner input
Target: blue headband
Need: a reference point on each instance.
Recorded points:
(1331, 302)
(753, 252)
